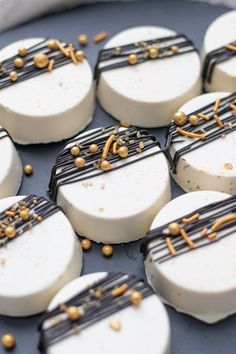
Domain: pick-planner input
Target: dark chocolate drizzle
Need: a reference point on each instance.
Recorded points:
(208, 216)
(38, 207)
(118, 56)
(94, 308)
(65, 172)
(3, 133)
(214, 58)
(210, 128)
(30, 70)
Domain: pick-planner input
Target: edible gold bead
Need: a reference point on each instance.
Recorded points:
(19, 62)
(73, 313)
(133, 59)
(41, 60)
(52, 44)
(8, 341)
(93, 148)
(79, 54)
(194, 120)
(174, 229)
(107, 250)
(13, 76)
(24, 215)
(75, 151)
(86, 244)
(105, 165)
(83, 39)
(22, 51)
(10, 231)
(153, 53)
(79, 162)
(136, 298)
(175, 48)
(123, 152)
(180, 118)
(28, 170)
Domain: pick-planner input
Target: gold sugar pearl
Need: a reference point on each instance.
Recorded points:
(133, 59)
(83, 39)
(19, 62)
(75, 151)
(28, 170)
(174, 229)
(73, 313)
(107, 250)
(79, 54)
(24, 215)
(86, 244)
(79, 162)
(153, 53)
(22, 51)
(105, 165)
(179, 118)
(52, 44)
(13, 76)
(93, 148)
(8, 341)
(175, 48)
(136, 298)
(194, 120)
(41, 60)
(123, 152)
(10, 232)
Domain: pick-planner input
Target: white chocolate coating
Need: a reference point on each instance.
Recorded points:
(37, 264)
(118, 206)
(148, 94)
(202, 282)
(49, 107)
(140, 326)
(11, 169)
(222, 31)
(206, 168)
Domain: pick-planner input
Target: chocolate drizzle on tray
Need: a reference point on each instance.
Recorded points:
(140, 52)
(40, 58)
(105, 297)
(201, 127)
(216, 57)
(3, 133)
(100, 151)
(22, 216)
(200, 228)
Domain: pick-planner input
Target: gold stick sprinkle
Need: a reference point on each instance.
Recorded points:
(218, 120)
(222, 221)
(114, 148)
(203, 116)
(107, 146)
(72, 53)
(61, 48)
(186, 238)
(233, 107)
(191, 218)
(51, 64)
(120, 290)
(204, 232)
(190, 134)
(230, 47)
(217, 104)
(213, 235)
(170, 247)
(100, 37)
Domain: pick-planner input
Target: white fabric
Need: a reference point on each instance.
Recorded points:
(14, 12)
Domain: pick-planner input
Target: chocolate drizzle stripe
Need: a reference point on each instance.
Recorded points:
(39, 209)
(3, 133)
(119, 55)
(155, 243)
(30, 70)
(65, 172)
(56, 326)
(210, 128)
(215, 57)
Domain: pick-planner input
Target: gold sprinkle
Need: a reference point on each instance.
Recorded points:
(75, 151)
(61, 48)
(72, 53)
(133, 59)
(204, 232)
(153, 53)
(115, 325)
(19, 62)
(190, 134)
(107, 250)
(28, 169)
(179, 118)
(80, 162)
(105, 165)
(73, 313)
(86, 244)
(13, 76)
(114, 148)
(217, 105)
(170, 247)
(79, 54)
(175, 48)
(230, 47)
(52, 44)
(107, 146)
(41, 60)
(8, 341)
(83, 39)
(194, 120)
(101, 36)
(174, 228)
(22, 51)
(123, 152)
(124, 124)
(51, 64)
(228, 166)
(10, 232)
(222, 221)
(136, 297)
(213, 235)
(120, 290)
(203, 116)
(191, 218)
(218, 120)
(186, 238)
(93, 148)
(233, 107)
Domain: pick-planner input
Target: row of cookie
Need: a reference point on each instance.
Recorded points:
(143, 74)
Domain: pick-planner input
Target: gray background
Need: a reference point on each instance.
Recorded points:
(189, 336)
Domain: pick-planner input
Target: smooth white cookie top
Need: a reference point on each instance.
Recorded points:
(146, 324)
(154, 80)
